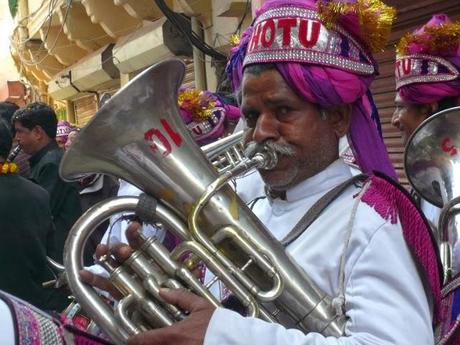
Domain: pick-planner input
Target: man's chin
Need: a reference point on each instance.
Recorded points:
(276, 180)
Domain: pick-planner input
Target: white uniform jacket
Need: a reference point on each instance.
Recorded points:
(385, 301)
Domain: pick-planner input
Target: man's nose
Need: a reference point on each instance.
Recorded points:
(395, 119)
(266, 128)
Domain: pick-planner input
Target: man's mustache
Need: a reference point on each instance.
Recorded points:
(282, 149)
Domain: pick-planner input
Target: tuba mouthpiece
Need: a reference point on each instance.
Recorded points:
(264, 156)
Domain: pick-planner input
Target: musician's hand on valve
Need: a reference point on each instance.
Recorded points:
(121, 252)
(132, 234)
(190, 331)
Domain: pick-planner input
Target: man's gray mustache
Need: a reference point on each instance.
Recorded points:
(282, 149)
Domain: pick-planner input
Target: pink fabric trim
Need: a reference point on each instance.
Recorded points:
(392, 204)
(232, 113)
(83, 340)
(29, 329)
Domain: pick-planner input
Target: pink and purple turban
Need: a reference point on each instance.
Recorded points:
(323, 51)
(205, 114)
(63, 130)
(427, 65)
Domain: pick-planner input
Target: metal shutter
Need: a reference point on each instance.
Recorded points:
(85, 108)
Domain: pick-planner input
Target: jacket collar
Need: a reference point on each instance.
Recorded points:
(35, 158)
(330, 177)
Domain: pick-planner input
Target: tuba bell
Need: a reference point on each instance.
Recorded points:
(432, 165)
(139, 136)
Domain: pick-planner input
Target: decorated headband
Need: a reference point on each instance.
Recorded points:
(63, 128)
(423, 55)
(205, 129)
(297, 34)
(421, 68)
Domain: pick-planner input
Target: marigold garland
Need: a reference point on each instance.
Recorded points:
(199, 104)
(435, 40)
(235, 39)
(8, 168)
(375, 19)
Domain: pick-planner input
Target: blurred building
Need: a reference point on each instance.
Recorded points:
(73, 51)
(14, 91)
(11, 89)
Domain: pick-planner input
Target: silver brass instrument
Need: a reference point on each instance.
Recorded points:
(432, 164)
(225, 153)
(139, 136)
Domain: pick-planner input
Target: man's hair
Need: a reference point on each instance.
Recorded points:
(5, 139)
(37, 114)
(256, 69)
(446, 103)
(7, 110)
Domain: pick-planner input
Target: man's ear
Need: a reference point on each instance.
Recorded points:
(428, 109)
(434, 107)
(339, 118)
(38, 132)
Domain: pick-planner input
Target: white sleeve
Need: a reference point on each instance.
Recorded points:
(152, 231)
(114, 230)
(98, 270)
(6, 325)
(385, 304)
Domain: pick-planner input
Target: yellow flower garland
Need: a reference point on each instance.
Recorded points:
(8, 168)
(434, 40)
(375, 19)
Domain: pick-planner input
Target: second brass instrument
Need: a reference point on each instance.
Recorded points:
(432, 163)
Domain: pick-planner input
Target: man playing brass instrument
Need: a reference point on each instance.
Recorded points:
(304, 70)
(427, 73)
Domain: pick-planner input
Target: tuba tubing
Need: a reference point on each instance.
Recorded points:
(139, 136)
(73, 259)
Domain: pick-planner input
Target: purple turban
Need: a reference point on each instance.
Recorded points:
(63, 130)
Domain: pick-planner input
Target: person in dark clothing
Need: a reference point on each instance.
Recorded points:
(26, 235)
(35, 129)
(7, 110)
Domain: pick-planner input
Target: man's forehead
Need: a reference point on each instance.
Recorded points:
(270, 83)
(19, 127)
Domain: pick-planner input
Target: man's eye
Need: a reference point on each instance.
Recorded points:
(283, 110)
(251, 119)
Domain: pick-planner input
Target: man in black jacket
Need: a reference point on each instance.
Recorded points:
(26, 235)
(35, 129)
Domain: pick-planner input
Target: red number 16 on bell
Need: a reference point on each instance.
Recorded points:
(153, 133)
